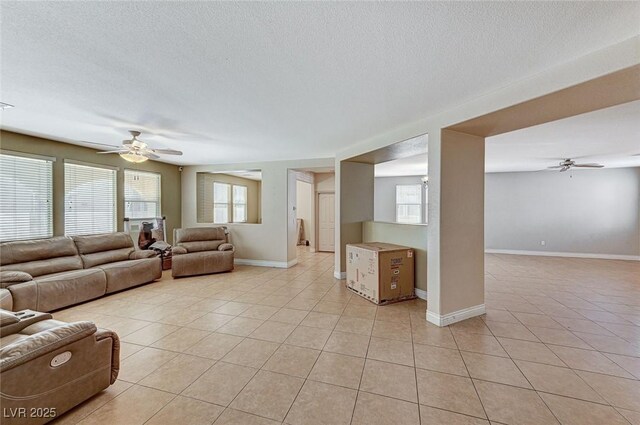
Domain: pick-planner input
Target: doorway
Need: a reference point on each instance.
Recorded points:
(326, 222)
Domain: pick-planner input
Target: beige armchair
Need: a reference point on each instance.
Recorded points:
(201, 250)
(48, 367)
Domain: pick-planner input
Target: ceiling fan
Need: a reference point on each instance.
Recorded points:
(568, 164)
(135, 150)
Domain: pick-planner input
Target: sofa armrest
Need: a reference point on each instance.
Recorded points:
(179, 250)
(6, 300)
(226, 247)
(38, 344)
(115, 350)
(8, 278)
(140, 254)
(8, 318)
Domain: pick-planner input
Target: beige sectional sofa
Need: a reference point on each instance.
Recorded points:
(48, 367)
(49, 274)
(201, 250)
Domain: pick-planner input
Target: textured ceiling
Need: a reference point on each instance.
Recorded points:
(236, 81)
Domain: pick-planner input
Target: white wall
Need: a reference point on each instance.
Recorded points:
(325, 182)
(582, 211)
(305, 209)
(385, 196)
(266, 243)
(585, 212)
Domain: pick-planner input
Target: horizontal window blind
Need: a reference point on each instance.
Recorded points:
(89, 199)
(141, 194)
(25, 198)
(239, 204)
(221, 195)
(409, 203)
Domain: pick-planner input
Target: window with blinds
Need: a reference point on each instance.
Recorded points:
(141, 194)
(239, 204)
(25, 198)
(409, 203)
(89, 199)
(221, 202)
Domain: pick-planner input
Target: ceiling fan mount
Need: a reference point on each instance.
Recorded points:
(569, 163)
(135, 150)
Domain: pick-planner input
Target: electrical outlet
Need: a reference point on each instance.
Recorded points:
(543, 243)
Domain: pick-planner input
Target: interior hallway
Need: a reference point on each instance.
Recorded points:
(560, 343)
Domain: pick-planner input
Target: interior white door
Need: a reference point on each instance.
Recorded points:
(326, 222)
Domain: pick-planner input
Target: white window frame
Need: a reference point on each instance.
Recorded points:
(157, 201)
(420, 205)
(234, 203)
(111, 224)
(16, 209)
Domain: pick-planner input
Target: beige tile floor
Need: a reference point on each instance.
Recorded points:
(560, 343)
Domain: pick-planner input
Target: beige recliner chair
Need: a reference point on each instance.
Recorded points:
(48, 367)
(201, 250)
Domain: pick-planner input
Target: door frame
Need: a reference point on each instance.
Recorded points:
(317, 218)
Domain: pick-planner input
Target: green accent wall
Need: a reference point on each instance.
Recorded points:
(170, 180)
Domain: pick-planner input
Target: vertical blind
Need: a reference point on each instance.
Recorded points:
(141, 194)
(89, 199)
(25, 198)
(409, 203)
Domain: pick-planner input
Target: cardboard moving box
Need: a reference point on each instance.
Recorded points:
(381, 272)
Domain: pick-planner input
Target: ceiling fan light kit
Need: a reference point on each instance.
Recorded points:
(133, 157)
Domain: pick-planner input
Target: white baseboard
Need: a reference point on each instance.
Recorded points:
(563, 254)
(265, 263)
(456, 316)
(421, 293)
(340, 275)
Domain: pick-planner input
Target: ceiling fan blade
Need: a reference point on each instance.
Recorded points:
(564, 169)
(555, 167)
(98, 144)
(166, 151)
(116, 151)
(150, 155)
(589, 165)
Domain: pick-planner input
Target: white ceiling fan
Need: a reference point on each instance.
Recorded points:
(135, 150)
(568, 164)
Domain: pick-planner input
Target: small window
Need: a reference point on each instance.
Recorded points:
(239, 204)
(89, 199)
(25, 198)
(409, 203)
(141, 194)
(221, 202)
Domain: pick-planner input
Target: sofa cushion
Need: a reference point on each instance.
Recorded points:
(8, 277)
(89, 244)
(57, 290)
(195, 234)
(39, 257)
(204, 262)
(48, 266)
(104, 248)
(40, 249)
(105, 257)
(199, 246)
(125, 274)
